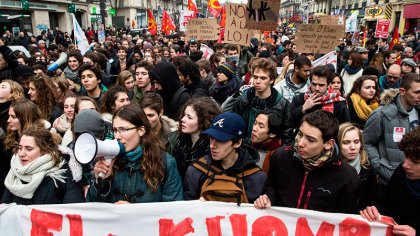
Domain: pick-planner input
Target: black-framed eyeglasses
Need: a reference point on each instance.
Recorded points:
(122, 130)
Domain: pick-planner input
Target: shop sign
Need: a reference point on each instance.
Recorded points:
(374, 11)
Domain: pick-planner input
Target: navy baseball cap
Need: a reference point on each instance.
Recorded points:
(226, 126)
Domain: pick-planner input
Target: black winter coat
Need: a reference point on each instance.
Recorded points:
(248, 101)
(399, 203)
(331, 187)
(48, 193)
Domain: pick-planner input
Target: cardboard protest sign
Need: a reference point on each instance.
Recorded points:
(262, 14)
(236, 32)
(313, 38)
(202, 29)
(172, 218)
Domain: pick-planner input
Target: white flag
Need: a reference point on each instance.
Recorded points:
(351, 22)
(329, 58)
(80, 37)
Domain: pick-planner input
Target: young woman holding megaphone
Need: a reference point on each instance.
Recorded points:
(145, 173)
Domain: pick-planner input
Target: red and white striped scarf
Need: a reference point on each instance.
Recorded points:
(328, 99)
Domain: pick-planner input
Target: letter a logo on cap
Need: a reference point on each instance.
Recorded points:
(219, 122)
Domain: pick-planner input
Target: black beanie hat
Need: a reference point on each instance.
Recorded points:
(228, 69)
(23, 71)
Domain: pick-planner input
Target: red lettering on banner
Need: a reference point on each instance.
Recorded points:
(168, 228)
(76, 225)
(303, 229)
(213, 226)
(43, 221)
(268, 225)
(353, 227)
(239, 225)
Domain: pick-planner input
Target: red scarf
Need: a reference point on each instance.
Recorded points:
(328, 99)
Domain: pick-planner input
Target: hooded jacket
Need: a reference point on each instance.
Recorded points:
(165, 74)
(380, 134)
(288, 89)
(331, 187)
(248, 157)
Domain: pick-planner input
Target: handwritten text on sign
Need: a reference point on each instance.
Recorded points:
(236, 32)
(313, 38)
(179, 218)
(202, 29)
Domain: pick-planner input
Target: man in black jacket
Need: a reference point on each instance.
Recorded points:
(311, 175)
(319, 95)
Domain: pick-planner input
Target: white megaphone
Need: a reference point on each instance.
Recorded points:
(87, 147)
(61, 60)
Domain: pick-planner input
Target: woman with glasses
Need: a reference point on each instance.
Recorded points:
(145, 173)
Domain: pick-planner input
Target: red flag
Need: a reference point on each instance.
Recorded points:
(167, 23)
(192, 6)
(214, 7)
(364, 37)
(395, 38)
(151, 22)
(223, 17)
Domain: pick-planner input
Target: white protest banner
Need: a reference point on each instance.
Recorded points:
(207, 51)
(183, 19)
(80, 37)
(202, 29)
(313, 38)
(179, 218)
(262, 14)
(235, 31)
(329, 58)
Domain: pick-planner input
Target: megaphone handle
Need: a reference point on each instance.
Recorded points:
(108, 161)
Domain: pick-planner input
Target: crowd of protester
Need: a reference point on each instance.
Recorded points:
(256, 124)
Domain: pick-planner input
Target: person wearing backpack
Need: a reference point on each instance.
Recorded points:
(229, 173)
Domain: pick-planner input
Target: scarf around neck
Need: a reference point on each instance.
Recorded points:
(328, 99)
(352, 70)
(356, 164)
(291, 84)
(134, 155)
(71, 75)
(363, 109)
(269, 145)
(23, 181)
(316, 161)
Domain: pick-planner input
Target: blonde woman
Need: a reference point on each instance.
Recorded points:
(352, 150)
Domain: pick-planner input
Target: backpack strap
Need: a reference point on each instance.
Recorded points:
(201, 165)
(251, 171)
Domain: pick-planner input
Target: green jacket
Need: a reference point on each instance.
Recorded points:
(129, 185)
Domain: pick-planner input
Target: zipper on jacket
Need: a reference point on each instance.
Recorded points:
(308, 196)
(302, 189)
